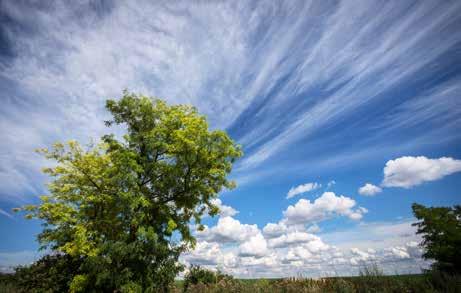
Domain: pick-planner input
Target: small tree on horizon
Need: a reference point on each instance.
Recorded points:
(123, 208)
(440, 228)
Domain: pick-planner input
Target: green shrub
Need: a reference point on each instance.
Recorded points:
(51, 273)
(198, 275)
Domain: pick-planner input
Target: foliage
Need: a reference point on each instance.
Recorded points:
(52, 273)
(198, 275)
(440, 228)
(444, 282)
(8, 283)
(123, 207)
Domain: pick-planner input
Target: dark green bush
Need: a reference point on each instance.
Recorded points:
(51, 273)
(198, 275)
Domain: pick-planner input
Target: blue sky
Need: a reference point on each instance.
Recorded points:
(354, 106)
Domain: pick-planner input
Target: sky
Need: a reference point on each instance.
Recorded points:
(347, 111)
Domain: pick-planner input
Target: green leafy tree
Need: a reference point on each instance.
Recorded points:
(124, 207)
(440, 228)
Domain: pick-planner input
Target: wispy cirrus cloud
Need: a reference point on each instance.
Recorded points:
(270, 83)
(303, 188)
(341, 76)
(6, 214)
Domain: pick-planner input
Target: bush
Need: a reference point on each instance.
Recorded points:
(51, 273)
(201, 276)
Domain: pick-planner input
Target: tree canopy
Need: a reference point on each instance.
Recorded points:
(440, 228)
(123, 207)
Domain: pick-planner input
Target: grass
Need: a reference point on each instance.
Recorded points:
(367, 282)
(431, 282)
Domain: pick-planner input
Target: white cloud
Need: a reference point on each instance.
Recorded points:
(256, 246)
(303, 188)
(359, 256)
(272, 230)
(369, 189)
(292, 238)
(356, 215)
(398, 252)
(205, 253)
(410, 171)
(324, 207)
(210, 255)
(228, 229)
(393, 246)
(297, 253)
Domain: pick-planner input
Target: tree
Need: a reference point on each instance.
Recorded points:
(124, 206)
(440, 228)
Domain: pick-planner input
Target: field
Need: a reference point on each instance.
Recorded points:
(401, 283)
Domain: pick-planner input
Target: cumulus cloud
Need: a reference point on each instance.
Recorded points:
(398, 252)
(359, 256)
(410, 171)
(292, 238)
(205, 253)
(324, 207)
(369, 189)
(393, 246)
(256, 246)
(272, 230)
(298, 253)
(211, 255)
(303, 188)
(228, 229)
